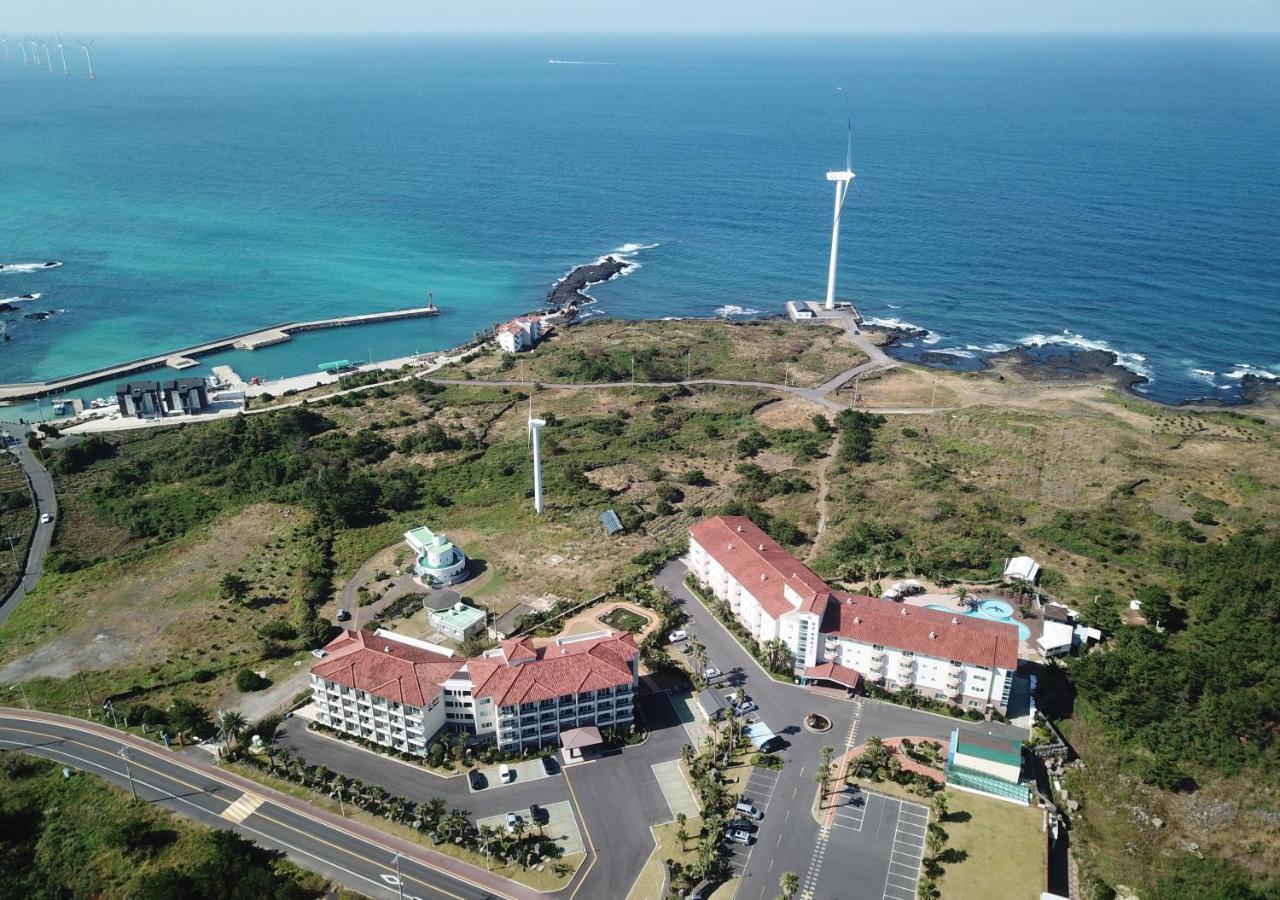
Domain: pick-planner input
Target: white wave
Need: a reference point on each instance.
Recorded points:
(955, 351)
(24, 298)
(1243, 369)
(577, 62)
(29, 267)
(729, 310)
(894, 306)
(889, 322)
(997, 347)
(1204, 375)
(1134, 362)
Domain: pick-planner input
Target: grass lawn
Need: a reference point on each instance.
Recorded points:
(649, 883)
(1003, 847)
(546, 880)
(622, 619)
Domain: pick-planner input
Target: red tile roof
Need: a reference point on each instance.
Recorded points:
(558, 669)
(930, 632)
(760, 565)
(829, 671)
(386, 667)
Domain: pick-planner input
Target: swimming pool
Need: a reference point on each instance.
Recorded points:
(993, 611)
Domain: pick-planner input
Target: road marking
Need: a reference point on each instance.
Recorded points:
(178, 762)
(907, 818)
(242, 808)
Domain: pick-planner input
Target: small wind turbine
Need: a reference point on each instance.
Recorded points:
(23, 45)
(88, 57)
(536, 426)
(47, 61)
(842, 180)
(4, 42)
(63, 54)
(35, 54)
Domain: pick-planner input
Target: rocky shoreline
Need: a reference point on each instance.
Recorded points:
(569, 293)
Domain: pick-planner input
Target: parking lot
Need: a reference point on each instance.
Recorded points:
(758, 792)
(525, 771)
(876, 841)
(555, 820)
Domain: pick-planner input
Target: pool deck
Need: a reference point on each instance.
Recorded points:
(1027, 650)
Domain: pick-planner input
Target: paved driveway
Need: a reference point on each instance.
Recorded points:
(46, 502)
(874, 841)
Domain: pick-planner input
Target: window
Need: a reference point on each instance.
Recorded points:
(879, 648)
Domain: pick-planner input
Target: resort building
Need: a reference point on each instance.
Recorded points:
(986, 764)
(437, 562)
(399, 692)
(845, 638)
(1021, 568)
(458, 621)
(521, 333)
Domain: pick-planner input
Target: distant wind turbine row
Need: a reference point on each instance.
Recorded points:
(31, 47)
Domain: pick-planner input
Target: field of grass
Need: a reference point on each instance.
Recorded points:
(649, 883)
(622, 619)
(604, 350)
(1001, 849)
(17, 519)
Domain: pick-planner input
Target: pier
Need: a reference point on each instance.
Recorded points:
(260, 337)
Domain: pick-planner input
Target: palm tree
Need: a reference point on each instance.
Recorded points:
(875, 743)
(961, 594)
(686, 753)
(683, 837)
(790, 884)
(231, 724)
(940, 805)
(821, 777)
(434, 809)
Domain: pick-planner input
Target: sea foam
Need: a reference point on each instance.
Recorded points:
(1134, 362)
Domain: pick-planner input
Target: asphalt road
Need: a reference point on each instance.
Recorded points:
(788, 837)
(351, 854)
(46, 502)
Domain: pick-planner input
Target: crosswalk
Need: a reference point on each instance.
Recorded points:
(244, 806)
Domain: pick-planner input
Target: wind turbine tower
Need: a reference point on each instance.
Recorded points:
(63, 53)
(4, 42)
(23, 46)
(47, 61)
(88, 57)
(535, 427)
(35, 54)
(843, 180)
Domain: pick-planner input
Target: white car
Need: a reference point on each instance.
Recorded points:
(513, 819)
(318, 653)
(738, 835)
(676, 637)
(711, 672)
(506, 774)
(46, 518)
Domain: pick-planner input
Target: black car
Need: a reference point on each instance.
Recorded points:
(478, 781)
(539, 815)
(549, 765)
(344, 615)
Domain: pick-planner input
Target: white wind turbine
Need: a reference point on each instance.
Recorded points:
(535, 427)
(63, 54)
(4, 42)
(23, 46)
(842, 179)
(88, 57)
(35, 53)
(47, 61)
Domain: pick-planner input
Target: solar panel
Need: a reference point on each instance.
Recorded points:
(612, 524)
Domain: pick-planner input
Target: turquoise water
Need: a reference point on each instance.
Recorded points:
(994, 611)
(1112, 192)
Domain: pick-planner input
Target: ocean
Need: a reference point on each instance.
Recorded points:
(1119, 193)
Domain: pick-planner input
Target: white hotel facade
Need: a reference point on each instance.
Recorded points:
(399, 692)
(840, 637)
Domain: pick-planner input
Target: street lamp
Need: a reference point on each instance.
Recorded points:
(395, 861)
(124, 754)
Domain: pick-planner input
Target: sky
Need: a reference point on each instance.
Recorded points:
(638, 16)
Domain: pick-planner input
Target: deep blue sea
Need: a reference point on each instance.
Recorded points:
(1113, 192)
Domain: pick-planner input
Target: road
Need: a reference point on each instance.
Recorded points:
(788, 839)
(46, 502)
(353, 855)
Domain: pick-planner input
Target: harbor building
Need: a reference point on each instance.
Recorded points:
(399, 692)
(185, 395)
(146, 399)
(436, 561)
(521, 333)
(846, 638)
(140, 399)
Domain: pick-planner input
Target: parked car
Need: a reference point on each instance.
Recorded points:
(711, 672)
(549, 765)
(506, 773)
(676, 637)
(513, 819)
(686, 648)
(344, 615)
(478, 781)
(746, 808)
(741, 709)
(46, 518)
(742, 823)
(737, 835)
(318, 653)
(539, 814)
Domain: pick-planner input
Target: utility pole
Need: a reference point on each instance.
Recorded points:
(633, 369)
(88, 698)
(934, 396)
(399, 881)
(124, 754)
(688, 366)
(11, 538)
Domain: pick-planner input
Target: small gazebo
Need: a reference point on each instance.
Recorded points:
(575, 740)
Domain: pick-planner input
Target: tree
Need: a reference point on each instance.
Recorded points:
(939, 804)
(1157, 606)
(682, 836)
(687, 754)
(961, 594)
(247, 680)
(231, 724)
(822, 777)
(789, 884)
(233, 587)
(188, 717)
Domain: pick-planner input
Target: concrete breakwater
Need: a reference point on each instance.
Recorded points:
(260, 337)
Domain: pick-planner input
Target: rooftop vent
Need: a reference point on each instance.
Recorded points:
(764, 577)
(955, 620)
(760, 547)
(857, 620)
(739, 529)
(933, 635)
(904, 610)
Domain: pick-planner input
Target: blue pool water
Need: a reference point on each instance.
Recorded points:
(994, 611)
